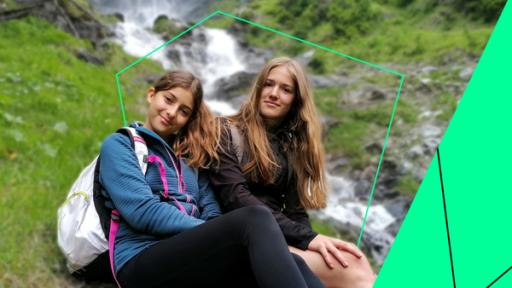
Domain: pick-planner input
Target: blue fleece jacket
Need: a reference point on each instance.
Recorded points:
(145, 218)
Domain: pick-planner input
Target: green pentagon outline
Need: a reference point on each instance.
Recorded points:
(220, 12)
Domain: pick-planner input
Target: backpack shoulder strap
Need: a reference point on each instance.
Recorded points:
(141, 151)
(237, 141)
(139, 145)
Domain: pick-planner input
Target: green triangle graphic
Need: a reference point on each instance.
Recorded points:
(416, 257)
(476, 160)
(503, 281)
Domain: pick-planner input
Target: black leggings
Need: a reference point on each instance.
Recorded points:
(243, 248)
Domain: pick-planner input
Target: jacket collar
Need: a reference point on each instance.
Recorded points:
(141, 129)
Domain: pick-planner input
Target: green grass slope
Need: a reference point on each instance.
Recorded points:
(55, 109)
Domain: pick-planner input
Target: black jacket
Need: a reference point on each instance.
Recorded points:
(235, 190)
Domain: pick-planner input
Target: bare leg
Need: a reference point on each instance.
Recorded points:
(358, 274)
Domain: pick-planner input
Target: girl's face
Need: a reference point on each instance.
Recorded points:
(169, 110)
(277, 95)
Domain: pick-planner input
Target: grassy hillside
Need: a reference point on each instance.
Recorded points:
(55, 110)
(398, 31)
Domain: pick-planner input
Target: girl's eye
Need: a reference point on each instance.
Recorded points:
(169, 99)
(184, 112)
(287, 90)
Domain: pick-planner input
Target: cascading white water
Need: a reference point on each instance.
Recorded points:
(216, 58)
(212, 60)
(138, 41)
(144, 12)
(344, 208)
(221, 54)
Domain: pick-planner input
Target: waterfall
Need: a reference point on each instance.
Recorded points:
(210, 60)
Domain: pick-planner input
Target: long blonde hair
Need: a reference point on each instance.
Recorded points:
(304, 146)
(198, 140)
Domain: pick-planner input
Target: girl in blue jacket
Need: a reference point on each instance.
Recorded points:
(182, 240)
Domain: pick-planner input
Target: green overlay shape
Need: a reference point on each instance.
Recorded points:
(219, 12)
(476, 156)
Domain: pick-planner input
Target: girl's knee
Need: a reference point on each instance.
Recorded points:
(299, 260)
(352, 276)
(358, 273)
(260, 219)
(258, 213)
(257, 210)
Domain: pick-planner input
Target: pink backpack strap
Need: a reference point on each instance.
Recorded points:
(163, 178)
(114, 226)
(141, 151)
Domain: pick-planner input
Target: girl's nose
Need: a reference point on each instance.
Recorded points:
(171, 112)
(275, 91)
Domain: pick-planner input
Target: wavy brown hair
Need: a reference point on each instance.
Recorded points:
(304, 147)
(198, 140)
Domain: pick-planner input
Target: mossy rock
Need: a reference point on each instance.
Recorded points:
(166, 27)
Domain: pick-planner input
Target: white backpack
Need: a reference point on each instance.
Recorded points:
(79, 232)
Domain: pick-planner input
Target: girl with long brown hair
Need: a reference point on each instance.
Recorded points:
(171, 231)
(272, 155)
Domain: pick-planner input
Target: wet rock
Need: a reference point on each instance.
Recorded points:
(466, 73)
(319, 81)
(152, 78)
(362, 189)
(83, 55)
(390, 166)
(231, 87)
(376, 95)
(30, 2)
(430, 145)
(328, 123)
(336, 163)
(385, 186)
(167, 27)
(118, 16)
(70, 17)
(364, 96)
(373, 148)
(415, 152)
(386, 189)
(238, 100)
(398, 206)
(174, 56)
(254, 58)
(305, 58)
(428, 69)
(379, 242)
(425, 85)
(429, 131)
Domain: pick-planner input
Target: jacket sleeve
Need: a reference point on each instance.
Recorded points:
(207, 202)
(229, 182)
(299, 215)
(131, 195)
(295, 211)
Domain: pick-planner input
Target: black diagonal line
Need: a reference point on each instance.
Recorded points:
(446, 216)
(495, 280)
